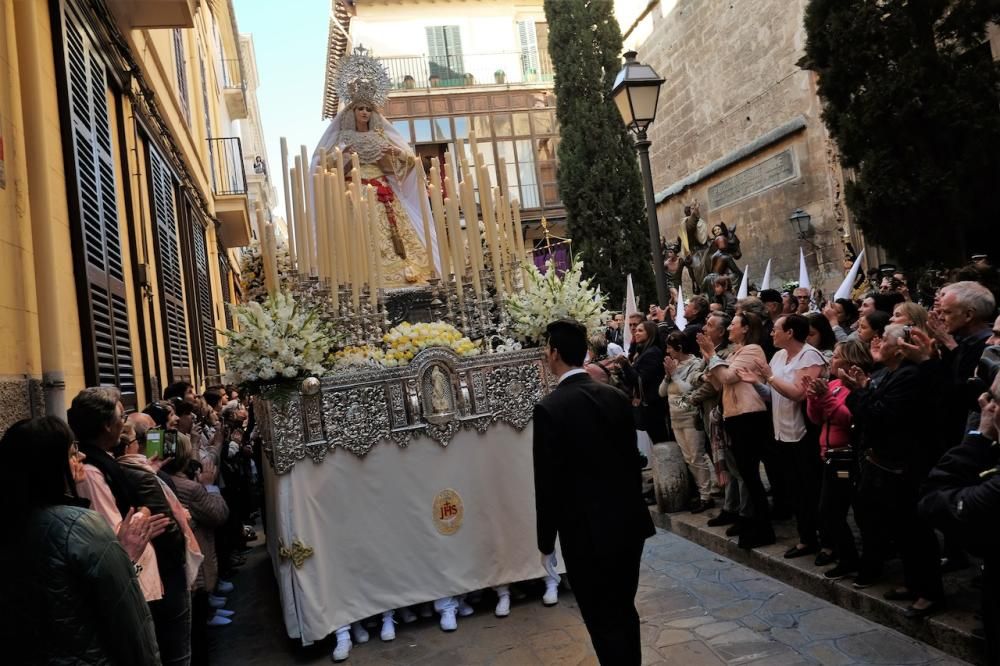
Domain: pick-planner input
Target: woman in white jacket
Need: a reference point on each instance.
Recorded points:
(683, 374)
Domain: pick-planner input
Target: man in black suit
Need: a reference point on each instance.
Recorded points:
(588, 490)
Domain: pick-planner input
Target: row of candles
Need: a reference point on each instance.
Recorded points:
(333, 224)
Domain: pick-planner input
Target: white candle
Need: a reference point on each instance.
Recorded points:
(288, 201)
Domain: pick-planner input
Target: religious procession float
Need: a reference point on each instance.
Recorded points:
(392, 345)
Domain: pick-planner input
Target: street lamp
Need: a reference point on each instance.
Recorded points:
(636, 92)
(800, 222)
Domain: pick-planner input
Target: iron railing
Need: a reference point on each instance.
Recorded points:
(232, 75)
(228, 174)
(469, 69)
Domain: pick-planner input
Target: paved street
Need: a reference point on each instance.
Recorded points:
(697, 609)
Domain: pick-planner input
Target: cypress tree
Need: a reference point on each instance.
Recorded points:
(911, 96)
(598, 170)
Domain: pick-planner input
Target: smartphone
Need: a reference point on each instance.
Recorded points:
(907, 338)
(154, 443)
(170, 444)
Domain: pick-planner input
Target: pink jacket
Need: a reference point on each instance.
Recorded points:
(831, 411)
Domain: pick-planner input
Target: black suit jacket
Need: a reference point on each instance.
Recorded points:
(588, 484)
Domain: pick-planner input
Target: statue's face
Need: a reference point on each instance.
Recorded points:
(362, 114)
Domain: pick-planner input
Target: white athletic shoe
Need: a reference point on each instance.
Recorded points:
(406, 616)
(388, 632)
(219, 621)
(360, 633)
(343, 649)
(224, 613)
(224, 587)
(464, 609)
(551, 596)
(216, 602)
(448, 622)
(503, 606)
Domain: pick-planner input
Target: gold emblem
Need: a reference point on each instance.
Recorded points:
(448, 512)
(298, 553)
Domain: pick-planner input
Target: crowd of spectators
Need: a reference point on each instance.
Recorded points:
(128, 527)
(881, 408)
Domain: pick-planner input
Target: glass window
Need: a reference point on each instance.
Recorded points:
(502, 124)
(544, 121)
(461, 127)
(521, 125)
(442, 129)
(481, 126)
(526, 175)
(403, 127)
(422, 130)
(546, 149)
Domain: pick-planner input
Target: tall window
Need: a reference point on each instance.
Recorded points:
(444, 48)
(528, 39)
(182, 78)
(98, 256)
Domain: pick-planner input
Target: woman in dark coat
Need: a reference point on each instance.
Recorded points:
(70, 595)
(648, 372)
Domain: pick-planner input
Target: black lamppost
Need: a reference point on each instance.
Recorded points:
(636, 92)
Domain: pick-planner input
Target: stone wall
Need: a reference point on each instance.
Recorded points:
(20, 398)
(733, 99)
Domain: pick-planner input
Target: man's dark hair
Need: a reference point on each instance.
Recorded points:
(569, 338)
(878, 320)
(850, 310)
(770, 296)
(886, 302)
(213, 397)
(176, 390)
(797, 325)
(160, 411)
(181, 407)
(91, 410)
(701, 304)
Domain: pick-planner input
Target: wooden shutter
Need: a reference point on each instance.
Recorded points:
(529, 49)
(225, 275)
(103, 307)
(168, 262)
(203, 298)
(444, 48)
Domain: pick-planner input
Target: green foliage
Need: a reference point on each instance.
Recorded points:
(911, 96)
(598, 171)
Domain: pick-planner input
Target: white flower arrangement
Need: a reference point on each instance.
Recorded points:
(548, 297)
(404, 341)
(252, 271)
(278, 340)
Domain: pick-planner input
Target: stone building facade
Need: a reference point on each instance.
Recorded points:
(739, 130)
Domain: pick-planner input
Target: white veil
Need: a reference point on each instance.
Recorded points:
(407, 190)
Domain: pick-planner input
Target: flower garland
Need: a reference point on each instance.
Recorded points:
(359, 357)
(278, 340)
(404, 341)
(548, 297)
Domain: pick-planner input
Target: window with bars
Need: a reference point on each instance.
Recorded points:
(168, 262)
(98, 254)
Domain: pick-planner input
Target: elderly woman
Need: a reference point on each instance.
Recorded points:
(683, 374)
(70, 594)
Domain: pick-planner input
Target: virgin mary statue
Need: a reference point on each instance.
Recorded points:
(387, 163)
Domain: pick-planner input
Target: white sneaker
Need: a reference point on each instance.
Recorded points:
(448, 622)
(503, 606)
(464, 609)
(388, 632)
(551, 596)
(224, 613)
(360, 633)
(406, 616)
(216, 602)
(343, 648)
(219, 621)
(224, 587)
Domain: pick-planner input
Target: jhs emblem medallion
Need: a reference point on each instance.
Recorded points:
(448, 512)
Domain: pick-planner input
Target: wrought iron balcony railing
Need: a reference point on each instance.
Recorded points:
(229, 177)
(469, 69)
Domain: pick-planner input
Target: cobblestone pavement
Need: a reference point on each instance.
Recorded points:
(697, 609)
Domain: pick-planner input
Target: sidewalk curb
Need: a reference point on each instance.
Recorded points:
(949, 631)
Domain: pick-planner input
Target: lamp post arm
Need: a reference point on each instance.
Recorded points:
(642, 147)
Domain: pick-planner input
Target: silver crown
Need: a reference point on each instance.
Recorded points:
(361, 79)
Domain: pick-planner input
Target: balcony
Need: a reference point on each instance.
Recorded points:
(468, 70)
(229, 187)
(234, 89)
(142, 14)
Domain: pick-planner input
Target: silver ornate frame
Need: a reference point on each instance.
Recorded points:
(357, 410)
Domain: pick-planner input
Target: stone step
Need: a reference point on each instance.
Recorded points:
(949, 631)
